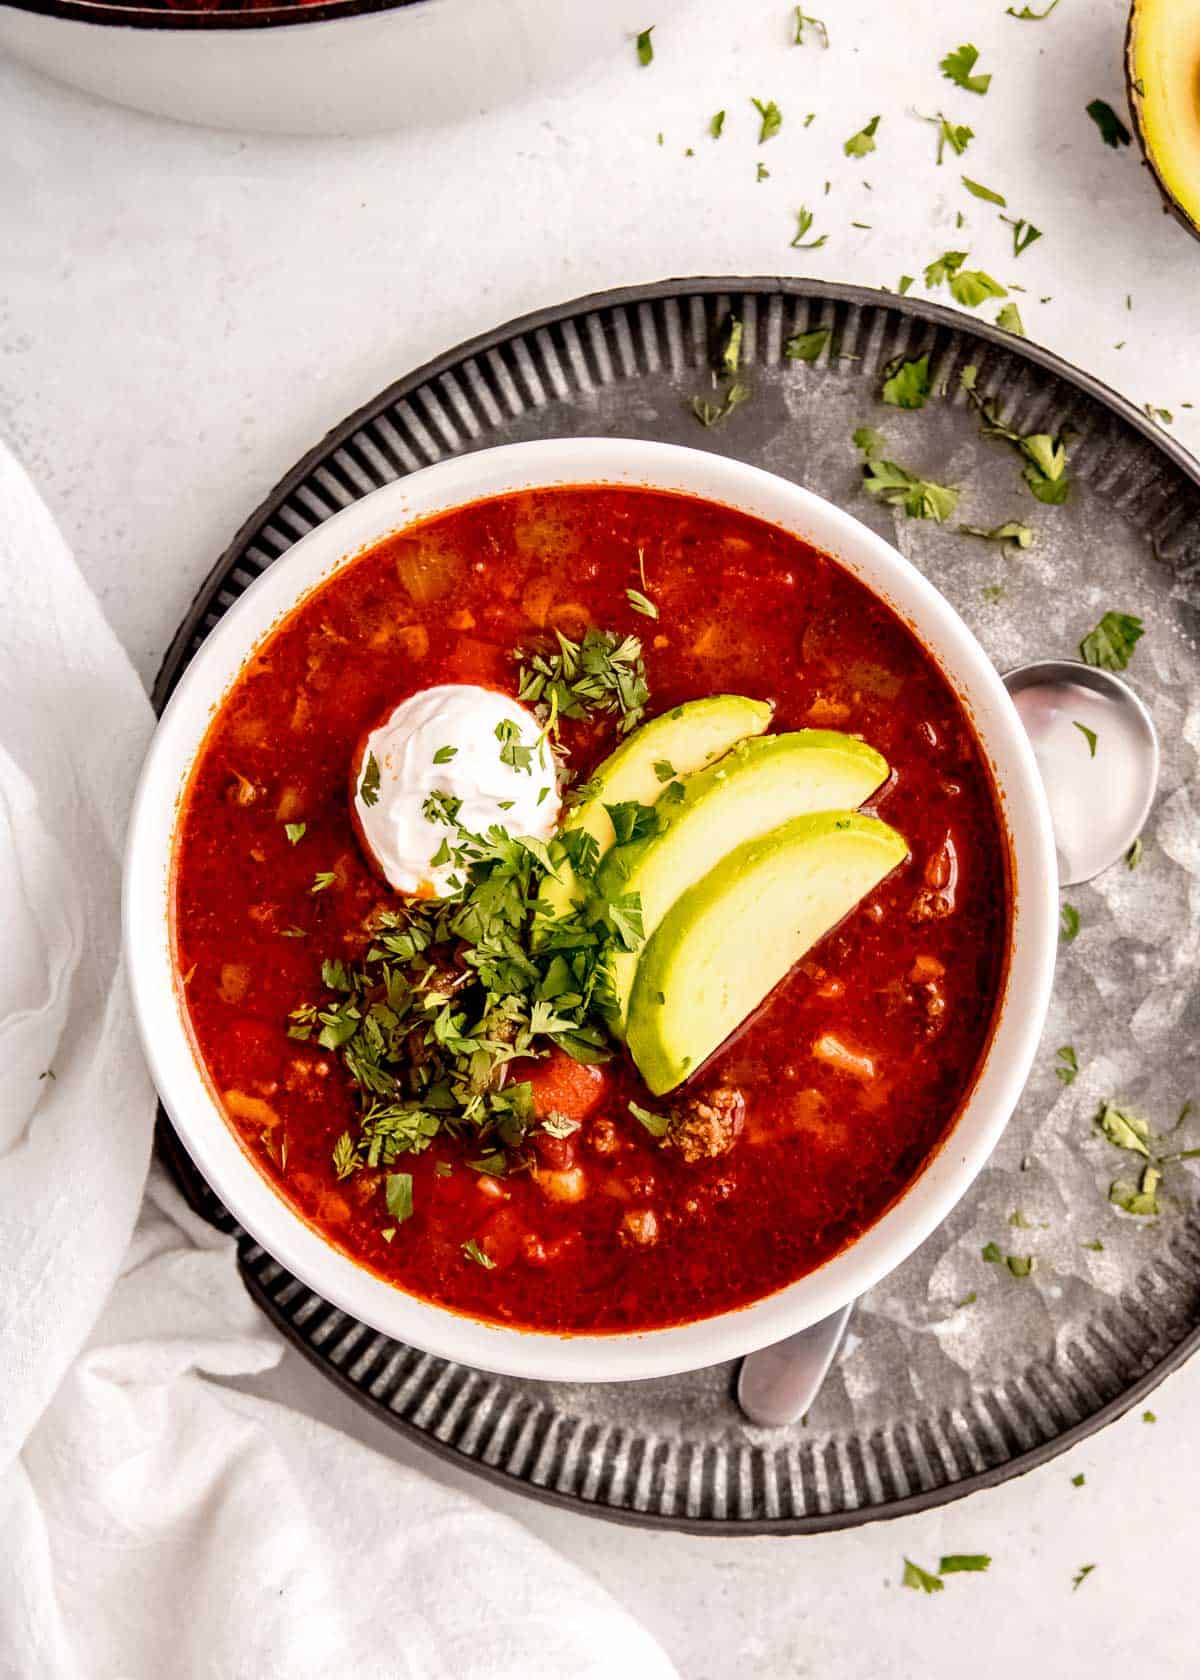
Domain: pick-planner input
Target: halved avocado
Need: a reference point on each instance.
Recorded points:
(731, 938)
(1162, 72)
(685, 739)
(756, 786)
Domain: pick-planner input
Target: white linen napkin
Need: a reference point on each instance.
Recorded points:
(154, 1523)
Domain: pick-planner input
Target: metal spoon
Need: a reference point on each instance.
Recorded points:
(1097, 753)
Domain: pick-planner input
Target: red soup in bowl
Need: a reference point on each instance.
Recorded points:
(519, 942)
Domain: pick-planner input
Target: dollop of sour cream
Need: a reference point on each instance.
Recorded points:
(463, 741)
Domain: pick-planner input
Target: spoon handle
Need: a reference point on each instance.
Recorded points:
(778, 1384)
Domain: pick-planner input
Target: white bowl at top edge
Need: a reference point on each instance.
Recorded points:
(193, 1109)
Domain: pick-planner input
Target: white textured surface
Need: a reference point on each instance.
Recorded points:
(183, 313)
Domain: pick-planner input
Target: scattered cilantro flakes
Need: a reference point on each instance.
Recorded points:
(965, 1563)
(958, 65)
(1163, 415)
(716, 124)
(955, 135)
(1082, 1576)
(1112, 130)
(1066, 1064)
(919, 498)
(1110, 645)
(711, 413)
(815, 24)
(1021, 1266)
(1027, 15)
(762, 173)
(806, 346)
(920, 1580)
(295, 832)
(444, 754)
(804, 220)
(399, 1193)
(1045, 457)
(1068, 924)
(1139, 1198)
(604, 673)
(1089, 736)
(1024, 234)
(991, 1252)
(1009, 320)
(655, 1124)
(863, 142)
(1124, 1130)
(993, 593)
(1080, 1479)
(645, 46)
(968, 1300)
(345, 1156)
(968, 286)
(321, 880)
(641, 603)
(473, 1251)
(368, 787)
(771, 119)
(1012, 531)
(1149, 1417)
(513, 750)
(729, 355)
(1018, 1221)
(1134, 855)
(904, 284)
(978, 190)
(907, 384)
(664, 770)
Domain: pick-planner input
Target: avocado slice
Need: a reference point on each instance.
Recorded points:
(756, 786)
(1162, 59)
(732, 937)
(687, 738)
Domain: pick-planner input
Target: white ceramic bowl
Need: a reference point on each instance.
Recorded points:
(337, 67)
(231, 1172)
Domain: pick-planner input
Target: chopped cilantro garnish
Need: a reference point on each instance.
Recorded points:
(399, 1193)
(920, 1579)
(804, 220)
(1140, 1198)
(1009, 319)
(664, 770)
(815, 24)
(968, 286)
(1089, 736)
(1124, 1130)
(955, 135)
(965, 1563)
(368, 788)
(632, 821)
(345, 1156)
(761, 172)
(986, 193)
(771, 118)
(1012, 531)
(513, 750)
(920, 498)
(1112, 130)
(1045, 456)
(806, 346)
(473, 1251)
(645, 46)
(1149, 1417)
(655, 1124)
(1024, 233)
(716, 123)
(904, 284)
(1081, 1576)
(863, 142)
(558, 1125)
(991, 1252)
(710, 413)
(958, 65)
(1068, 924)
(1078, 1481)
(604, 673)
(1028, 15)
(1066, 1064)
(1020, 1265)
(444, 754)
(641, 603)
(324, 878)
(1112, 642)
(908, 383)
(1134, 855)
(295, 832)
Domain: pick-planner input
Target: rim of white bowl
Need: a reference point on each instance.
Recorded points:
(194, 1111)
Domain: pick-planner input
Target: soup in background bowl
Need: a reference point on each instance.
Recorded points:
(581, 925)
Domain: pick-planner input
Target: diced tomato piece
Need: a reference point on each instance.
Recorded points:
(561, 1085)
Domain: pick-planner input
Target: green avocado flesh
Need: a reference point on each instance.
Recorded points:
(729, 940)
(687, 739)
(754, 788)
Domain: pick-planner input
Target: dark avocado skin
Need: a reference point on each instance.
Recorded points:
(1170, 203)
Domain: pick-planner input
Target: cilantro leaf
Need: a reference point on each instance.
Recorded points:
(971, 287)
(804, 221)
(955, 135)
(1112, 130)
(345, 1156)
(295, 832)
(473, 1251)
(1068, 924)
(1081, 1576)
(1024, 234)
(1045, 457)
(986, 193)
(368, 787)
(1027, 15)
(863, 142)
(323, 879)
(1134, 855)
(1112, 642)
(814, 24)
(920, 498)
(645, 46)
(641, 603)
(806, 346)
(965, 1563)
(399, 1193)
(1009, 320)
(992, 1254)
(444, 754)
(1011, 531)
(1066, 1062)
(958, 65)
(711, 414)
(1125, 1131)
(771, 119)
(920, 1579)
(1089, 736)
(1141, 1198)
(655, 1124)
(908, 384)
(716, 124)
